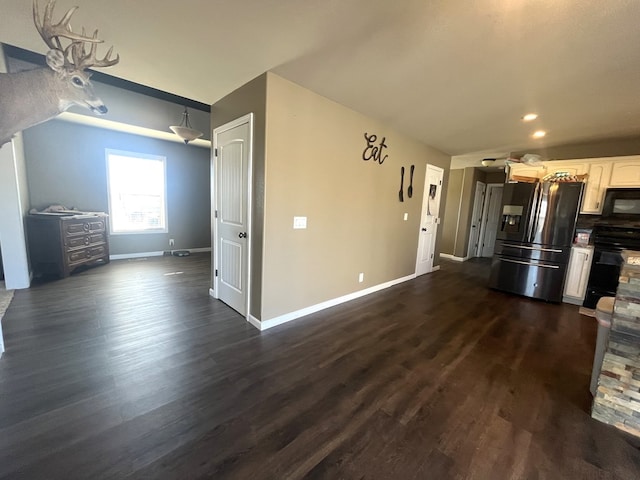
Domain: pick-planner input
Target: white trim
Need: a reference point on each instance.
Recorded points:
(435, 269)
(125, 256)
(453, 257)
(572, 300)
(212, 293)
(287, 317)
(255, 322)
(248, 118)
(197, 250)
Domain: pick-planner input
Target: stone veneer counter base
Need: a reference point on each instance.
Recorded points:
(617, 400)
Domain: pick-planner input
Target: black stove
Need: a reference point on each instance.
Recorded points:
(609, 241)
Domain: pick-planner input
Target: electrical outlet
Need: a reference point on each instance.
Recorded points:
(406, 217)
(171, 242)
(361, 277)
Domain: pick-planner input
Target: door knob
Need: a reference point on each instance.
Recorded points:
(242, 235)
(424, 229)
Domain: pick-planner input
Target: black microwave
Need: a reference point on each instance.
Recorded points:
(622, 203)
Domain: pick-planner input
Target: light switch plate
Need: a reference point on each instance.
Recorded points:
(299, 222)
(406, 217)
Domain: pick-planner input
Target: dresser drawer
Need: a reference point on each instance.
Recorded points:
(79, 241)
(76, 227)
(87, 254)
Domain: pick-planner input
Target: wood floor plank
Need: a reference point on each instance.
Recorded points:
(131, 370)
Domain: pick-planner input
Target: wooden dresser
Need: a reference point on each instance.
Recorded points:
(60, 243)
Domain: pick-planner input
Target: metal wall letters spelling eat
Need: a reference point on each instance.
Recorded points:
(373, 151)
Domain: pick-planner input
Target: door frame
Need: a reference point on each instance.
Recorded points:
(485, 213)
(473, 252)
(213, 291)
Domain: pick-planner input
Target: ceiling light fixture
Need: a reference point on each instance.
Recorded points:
(488, 162)
(539, 134)
(529, 117)
(184, 130)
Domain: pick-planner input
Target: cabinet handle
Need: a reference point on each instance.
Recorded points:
(597, 204)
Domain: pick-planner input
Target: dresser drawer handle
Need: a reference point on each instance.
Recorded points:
(85, 227)
(87, 241)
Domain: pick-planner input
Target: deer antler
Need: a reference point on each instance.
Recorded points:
(82, 59)
(51, 34)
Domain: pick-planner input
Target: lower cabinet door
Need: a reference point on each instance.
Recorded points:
(578, 272)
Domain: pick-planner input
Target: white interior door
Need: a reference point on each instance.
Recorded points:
(429, 219)
(490, 219)
(476, 220)
(232, 167)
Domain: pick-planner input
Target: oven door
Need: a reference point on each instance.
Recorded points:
(603, 277)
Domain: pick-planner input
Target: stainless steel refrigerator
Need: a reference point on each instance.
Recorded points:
(534, 238)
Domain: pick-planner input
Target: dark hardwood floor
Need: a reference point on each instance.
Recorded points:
(131, 371)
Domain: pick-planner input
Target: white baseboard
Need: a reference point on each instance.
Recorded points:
(287, 317)
(435, 268)
(199, 250)
(212, 293)
(125, 256)
(573, 300)
(255, 322)
(453, 257)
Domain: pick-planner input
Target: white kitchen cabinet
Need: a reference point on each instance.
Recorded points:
(596, 186)
(571, 168)
(575, 284)
(625, 173)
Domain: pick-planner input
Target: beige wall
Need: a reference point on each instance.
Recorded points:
(250, 98)
(355, 220)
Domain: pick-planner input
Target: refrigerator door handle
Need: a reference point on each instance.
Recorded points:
(540, 249)
(529, 263)
(534, 212)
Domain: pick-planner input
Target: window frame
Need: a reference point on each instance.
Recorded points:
(141, 156)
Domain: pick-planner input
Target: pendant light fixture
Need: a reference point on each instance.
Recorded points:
(184, 130)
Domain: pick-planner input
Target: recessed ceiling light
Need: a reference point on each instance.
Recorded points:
(529, 117)
(539, 134)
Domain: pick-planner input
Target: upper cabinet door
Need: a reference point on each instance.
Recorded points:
(626, 173)
(597, 182)
(572, 168)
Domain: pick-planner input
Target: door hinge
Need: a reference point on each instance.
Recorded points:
(216, 272)
(215, 151)
(440, 182)
(215, 214)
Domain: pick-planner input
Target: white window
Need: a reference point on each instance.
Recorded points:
(137, 200)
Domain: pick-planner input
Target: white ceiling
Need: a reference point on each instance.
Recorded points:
(456, 74)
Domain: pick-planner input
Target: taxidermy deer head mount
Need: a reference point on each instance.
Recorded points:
(34, 96)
